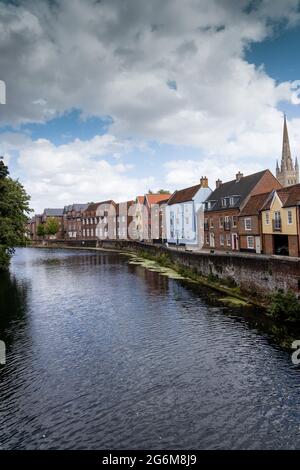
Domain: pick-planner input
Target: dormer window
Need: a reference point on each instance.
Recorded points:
(209, 205)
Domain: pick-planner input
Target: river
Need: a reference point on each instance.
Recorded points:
(102, 354)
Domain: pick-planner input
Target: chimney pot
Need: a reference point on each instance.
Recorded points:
(239, 176)
(204, 182)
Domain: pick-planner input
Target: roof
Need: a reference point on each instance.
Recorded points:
(156, 198)
(255, 204)
(75, 207)
(92, 206)
(140, 199)
(53, 212)
(184, 195)
(241, 188)
(289, 196)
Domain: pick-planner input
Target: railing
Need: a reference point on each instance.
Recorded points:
(276, 225)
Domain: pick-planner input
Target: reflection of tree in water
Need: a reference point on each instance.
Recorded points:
(13, 304)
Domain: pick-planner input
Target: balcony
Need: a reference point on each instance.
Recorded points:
(276, 225)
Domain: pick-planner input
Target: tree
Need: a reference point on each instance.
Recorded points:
(52, 226)
(14, 210)
(163, 191)
(40, 231)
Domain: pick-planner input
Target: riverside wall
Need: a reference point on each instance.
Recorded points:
(255, 274)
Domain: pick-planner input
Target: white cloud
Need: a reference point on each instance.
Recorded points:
(117, 59)
(77, 172)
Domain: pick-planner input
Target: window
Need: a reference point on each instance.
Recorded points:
(88, 232)
(250, 243)
(187, 220)
(222, 239)
(231, 201)
(290, 217)
(227, 222)
(205, 224)
(277, 221)
(211, 223)
(221, 222)
(228, 239)
(248, 223)
(207, 239)
(267, 218)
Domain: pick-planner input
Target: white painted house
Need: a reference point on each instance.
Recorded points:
(182, 214)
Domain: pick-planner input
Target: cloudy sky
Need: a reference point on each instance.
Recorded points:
(108, 98)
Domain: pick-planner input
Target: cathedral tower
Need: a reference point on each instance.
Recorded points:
(288, 173)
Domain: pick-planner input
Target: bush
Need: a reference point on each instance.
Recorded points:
(284, 306)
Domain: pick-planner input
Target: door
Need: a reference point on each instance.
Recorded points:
(235, 241)
(258, 245)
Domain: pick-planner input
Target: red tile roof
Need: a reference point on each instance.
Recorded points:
(289, 196)
(255, 204)
(184, 195)
(156, 198)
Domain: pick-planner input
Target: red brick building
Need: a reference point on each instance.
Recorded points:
(124, 219)
(31, 228)
(56, 214)
(106, 214)
(72, 224)
(154, 216)
(223, 207)
(90, 221)
(250, 224)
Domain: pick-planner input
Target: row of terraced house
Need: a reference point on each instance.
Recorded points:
(257, 213)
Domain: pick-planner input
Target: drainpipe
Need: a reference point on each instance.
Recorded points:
(298, 226)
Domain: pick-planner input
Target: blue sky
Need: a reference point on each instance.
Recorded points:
(105, 100)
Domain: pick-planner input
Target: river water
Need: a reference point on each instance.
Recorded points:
(102, 354)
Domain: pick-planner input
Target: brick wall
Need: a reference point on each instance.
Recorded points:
(293, 245)
(255, 273)
(214, 216)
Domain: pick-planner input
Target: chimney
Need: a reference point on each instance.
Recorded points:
(204, 182)
(218, 183)
(239, 176)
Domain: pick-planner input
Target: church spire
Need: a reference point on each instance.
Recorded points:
(286, 159)
(287, 174)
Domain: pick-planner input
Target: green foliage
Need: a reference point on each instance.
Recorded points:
(52, 226)
(40, 230)
(14, 208)
(284, 306)
(213, 278)
(163, 191)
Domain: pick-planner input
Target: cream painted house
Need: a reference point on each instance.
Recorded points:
(280, 222)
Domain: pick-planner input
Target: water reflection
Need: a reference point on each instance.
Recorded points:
(103, 354)
(13, 303)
